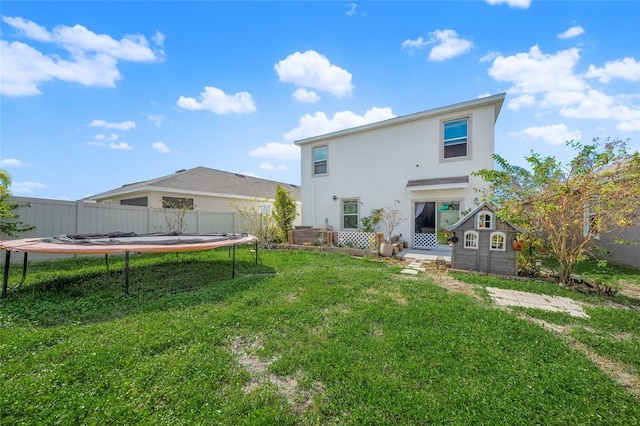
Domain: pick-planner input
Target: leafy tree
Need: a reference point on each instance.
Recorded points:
(285, 212)
(8, 224)
(567, 206)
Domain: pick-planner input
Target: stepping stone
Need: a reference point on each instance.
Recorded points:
(409, 271)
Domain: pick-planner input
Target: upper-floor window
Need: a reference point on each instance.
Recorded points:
(484, 220)
(471, 240)
(320, 160)
(455, 138)
(350, 214)
(497, 241)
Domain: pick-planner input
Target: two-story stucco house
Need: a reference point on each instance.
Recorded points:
(419, 164)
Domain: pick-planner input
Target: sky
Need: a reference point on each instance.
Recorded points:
(98, 94)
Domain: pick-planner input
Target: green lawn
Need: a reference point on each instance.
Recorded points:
(302, 338)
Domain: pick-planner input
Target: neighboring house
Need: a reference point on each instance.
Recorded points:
(483, 242)
(199, 188)
(627, 253)
(419, 164)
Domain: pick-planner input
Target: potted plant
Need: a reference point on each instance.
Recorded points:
(390, 219)
(518, 244)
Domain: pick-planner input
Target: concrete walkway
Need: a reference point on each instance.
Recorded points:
(419, 255)
(537, 301)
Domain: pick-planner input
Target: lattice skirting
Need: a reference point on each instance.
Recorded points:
(425, 240)
(361, 240)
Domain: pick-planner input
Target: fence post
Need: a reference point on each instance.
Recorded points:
(79, 217)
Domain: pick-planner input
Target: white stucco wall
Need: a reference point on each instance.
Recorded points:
(375, 165)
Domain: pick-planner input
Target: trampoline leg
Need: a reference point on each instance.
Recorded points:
(24, 267)
(106, 261)
(233, 263)
(256, 252)
(126, 272)
(5, 279)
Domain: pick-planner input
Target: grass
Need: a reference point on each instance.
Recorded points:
(302, 338)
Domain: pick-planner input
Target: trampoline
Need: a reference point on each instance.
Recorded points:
(122, 242)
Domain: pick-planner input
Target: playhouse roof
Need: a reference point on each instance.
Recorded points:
(474, 212)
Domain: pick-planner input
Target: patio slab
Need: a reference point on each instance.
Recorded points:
(503, 297)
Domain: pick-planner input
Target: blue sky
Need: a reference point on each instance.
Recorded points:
(95, 95)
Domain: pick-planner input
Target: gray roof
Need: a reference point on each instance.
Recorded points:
(206, 181)
(475, 211)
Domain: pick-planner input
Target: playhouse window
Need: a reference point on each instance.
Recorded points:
(484, 220)
(498, 241)
(471, 240)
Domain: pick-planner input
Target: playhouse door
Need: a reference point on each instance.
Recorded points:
(424, 235)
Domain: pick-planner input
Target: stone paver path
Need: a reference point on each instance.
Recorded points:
(538, 301)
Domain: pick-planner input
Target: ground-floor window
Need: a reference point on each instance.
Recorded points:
(350, 214)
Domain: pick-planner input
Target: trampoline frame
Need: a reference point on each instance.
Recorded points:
(35, 245)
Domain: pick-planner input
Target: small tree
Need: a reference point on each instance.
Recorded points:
(390, 219)
(285, 212)
(255, 222)
(567, 206)
(8, 224)
(369, 223)
(174, 216)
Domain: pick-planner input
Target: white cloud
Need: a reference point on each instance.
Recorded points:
(156, 119)
(571, 32)
(351, 9)
(448, 46)
(520, 4)
(489, 56)
(536, 72)
(91, 59)
(271, 167)
(550, 82)
(626, 69)
(25, 188)
(11, 162)
(278, 151)
(122, 145)
(521, 101)
(110, 137)
(319, 123)
(629, 126)
(413, 45)
(554, 134)
(306, 96)
(314, 71)
(216, 101)
(594, 104)
(123, 125)
(161, 147)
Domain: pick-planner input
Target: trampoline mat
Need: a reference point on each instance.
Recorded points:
(123, 242)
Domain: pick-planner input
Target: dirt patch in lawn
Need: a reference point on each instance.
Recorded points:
(443, 280)
(245, 351)
(629, 289)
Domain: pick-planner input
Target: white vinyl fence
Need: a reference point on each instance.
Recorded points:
(54, 217)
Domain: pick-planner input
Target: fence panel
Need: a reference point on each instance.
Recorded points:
(55, 217)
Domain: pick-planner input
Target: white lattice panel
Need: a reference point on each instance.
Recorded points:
(425, 240)
(361, 240)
